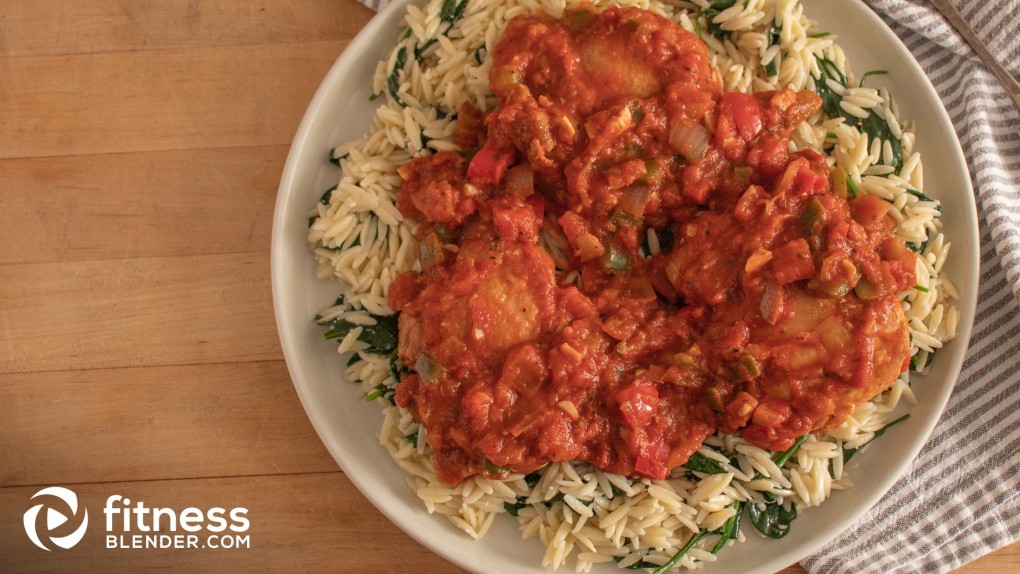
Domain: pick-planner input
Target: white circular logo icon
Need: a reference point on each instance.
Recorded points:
(56, 501)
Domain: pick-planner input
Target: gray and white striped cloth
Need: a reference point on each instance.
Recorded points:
(960, 498)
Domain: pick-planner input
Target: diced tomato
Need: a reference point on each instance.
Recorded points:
(902, 262)
(819, 169)
(476, 405)
(771, 412)
(769, 158)
(653, 460)
(792, 262)
(537, 203)
(739, 410)
(573, 225)
(749, 203)
(470, 126)
(864, 342)
(407, 390)
(868, 210)
(745, 110)
(703, 176)
(515, 219)
(809, 181)
(434, 190)
(489, 165)
(638, 403)
(404, 289)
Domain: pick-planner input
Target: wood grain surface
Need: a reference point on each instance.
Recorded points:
(141, 146)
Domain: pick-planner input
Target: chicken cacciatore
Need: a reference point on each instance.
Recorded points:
(625, 259)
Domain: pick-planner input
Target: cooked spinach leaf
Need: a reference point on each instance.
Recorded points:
(851, 187)
(393, 81)
(917, 248)
(781, 458)
(771, 519)
(923, 197)
(513, 509)
(713, 10)
(397, 369)
(335, 159)
(419, 50)
(326, 195)
(381, 337)
(872, 73)
(381, 391)
(639, 565)
(874, 125)
(849, 453)
(701, 463)
(682, 552)
(915, 362)
(730, 530)
(452, 10)
(772, 69)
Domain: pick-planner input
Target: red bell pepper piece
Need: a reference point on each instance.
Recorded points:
(489, 165)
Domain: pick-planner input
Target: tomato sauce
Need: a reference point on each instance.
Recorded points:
(769, 307)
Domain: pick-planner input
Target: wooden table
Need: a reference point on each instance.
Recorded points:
(141, 145)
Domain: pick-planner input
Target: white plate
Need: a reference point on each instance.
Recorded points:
(341, 110)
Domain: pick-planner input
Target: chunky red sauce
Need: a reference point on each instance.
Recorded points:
(770, 308)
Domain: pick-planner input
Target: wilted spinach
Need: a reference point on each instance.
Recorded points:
(381, 337)
(874, 125)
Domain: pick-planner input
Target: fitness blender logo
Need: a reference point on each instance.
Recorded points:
(56, 501)
(134, 525)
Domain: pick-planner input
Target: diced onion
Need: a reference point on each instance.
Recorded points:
(502, 77)
(771, 304)
(691, 140)
(757, 260)
(589, 247)
(520, 180)
(634, 199)
(430, 251)
(839, 186)
(570, 408)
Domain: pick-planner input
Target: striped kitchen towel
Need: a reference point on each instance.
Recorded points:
(959, 499)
